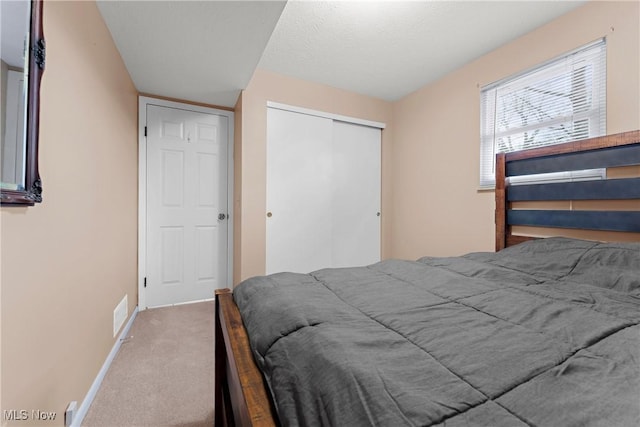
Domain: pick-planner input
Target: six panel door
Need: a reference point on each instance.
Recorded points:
(186, 205)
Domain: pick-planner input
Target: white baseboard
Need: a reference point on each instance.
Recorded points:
(182, 303)
(93, 390)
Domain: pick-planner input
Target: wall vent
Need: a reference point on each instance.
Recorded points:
(119, 315)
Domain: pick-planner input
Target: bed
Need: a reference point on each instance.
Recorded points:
(541, 332)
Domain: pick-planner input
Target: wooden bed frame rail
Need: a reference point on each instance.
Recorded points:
(241, 396)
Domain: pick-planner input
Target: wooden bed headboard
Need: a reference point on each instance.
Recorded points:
(612, 151)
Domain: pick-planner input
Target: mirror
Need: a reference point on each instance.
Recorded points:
(22, 57)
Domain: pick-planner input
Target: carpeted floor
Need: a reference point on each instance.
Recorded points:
(163, 373)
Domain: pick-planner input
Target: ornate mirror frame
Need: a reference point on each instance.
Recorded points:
(33, 187)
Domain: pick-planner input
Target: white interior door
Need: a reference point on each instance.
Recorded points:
(299, 187)
(186, 205)
(323, 193)
(355, 195)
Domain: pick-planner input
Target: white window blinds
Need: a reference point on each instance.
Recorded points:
(560, 101)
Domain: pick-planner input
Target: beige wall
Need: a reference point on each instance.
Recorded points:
(437, 208)
(237, 191)
(67, 262)
(250, 151)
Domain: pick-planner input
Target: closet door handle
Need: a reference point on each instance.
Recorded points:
(269, 214)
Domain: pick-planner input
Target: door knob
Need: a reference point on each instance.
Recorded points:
(269, 214)
(221, 217)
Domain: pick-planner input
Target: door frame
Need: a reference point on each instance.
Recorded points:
(326, 115)
(143, 102)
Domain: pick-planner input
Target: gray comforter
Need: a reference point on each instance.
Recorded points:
(546, 333)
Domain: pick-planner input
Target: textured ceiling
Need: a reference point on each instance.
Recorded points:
(204, 51)
(207, 51)
(390, 49)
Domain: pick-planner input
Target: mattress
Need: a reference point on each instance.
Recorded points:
(544, 333)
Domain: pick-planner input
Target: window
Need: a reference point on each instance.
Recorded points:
(560, 101)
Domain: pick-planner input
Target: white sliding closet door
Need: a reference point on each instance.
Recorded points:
(323, 193)
(298, 189)
(355, 195)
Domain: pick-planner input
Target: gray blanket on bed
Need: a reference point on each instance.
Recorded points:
(546, 333)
